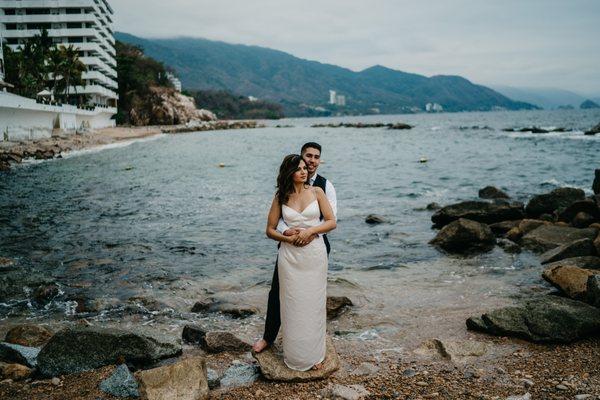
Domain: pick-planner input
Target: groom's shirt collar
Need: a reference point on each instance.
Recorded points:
(311, 180)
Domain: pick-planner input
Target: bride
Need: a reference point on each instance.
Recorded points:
(302, 269)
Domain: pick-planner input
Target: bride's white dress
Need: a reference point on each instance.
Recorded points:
(303, 292)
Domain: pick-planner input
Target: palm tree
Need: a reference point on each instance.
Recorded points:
(72, 68)
(54, 65)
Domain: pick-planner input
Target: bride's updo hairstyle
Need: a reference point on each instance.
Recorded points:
(285, 180)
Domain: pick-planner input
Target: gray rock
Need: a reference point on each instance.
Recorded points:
(526, 396)
(194, 334)
(236, 311)
(365, 369)
(239, 374)
(273, 368)
(593, 290)
(121, 383)
(547, 237)
(464, 236)
(509, 246)
(337, 304)
(593, 131)
(583, 220)
(80, 349)
(375, 219)
(220, 341)
(14, 353)
(501, 228)
(542, 319)
(587, 206)
(549, 202)
(343, 392)
(580, 262)
(28, 335)
(479, 211)
(214, 380)
(578, 248)
(433, 206)
(491, 192)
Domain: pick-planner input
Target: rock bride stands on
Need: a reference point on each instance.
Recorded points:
(300, 215)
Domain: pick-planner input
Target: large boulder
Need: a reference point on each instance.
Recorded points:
(501, 228)
(596, 183)
(546, 237)
(28, 335)
(184, 380)
(589, 262)
(541, 319)
(556, 199)
(594, 130)
(464, 236)
(14, 353)
(273, 368)
(491, 192)
(593, 290)
(80, 349)
(121, 383)
(587, 206)
(578, 248)
(479, 211)
(570, 280)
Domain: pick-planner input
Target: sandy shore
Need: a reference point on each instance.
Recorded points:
(60, 143)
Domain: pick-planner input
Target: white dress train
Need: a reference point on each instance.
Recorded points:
(303, 292)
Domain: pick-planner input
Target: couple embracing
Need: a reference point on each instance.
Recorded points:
(303, 211)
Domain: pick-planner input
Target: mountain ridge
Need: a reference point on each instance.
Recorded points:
(302, 86)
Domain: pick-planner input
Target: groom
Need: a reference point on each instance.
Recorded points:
(311, 152)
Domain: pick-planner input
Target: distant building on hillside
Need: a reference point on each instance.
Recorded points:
(85, 24)
(433, 107)
(332, 97)
(252, 99)
(174, 81)
(336, 99)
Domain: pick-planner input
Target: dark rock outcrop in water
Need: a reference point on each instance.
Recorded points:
(491, 192)
(542, 319)
(396, 126)
(480, 211)
(556, 199)
(547, 237)
(596, 183)
(337, 304)
(594, 130)
(75, 350)
(464, 236)
(375, 219)
(578, 248)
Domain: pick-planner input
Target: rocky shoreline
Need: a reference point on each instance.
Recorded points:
(54, 147)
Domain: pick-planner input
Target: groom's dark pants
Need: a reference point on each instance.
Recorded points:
(273, 321)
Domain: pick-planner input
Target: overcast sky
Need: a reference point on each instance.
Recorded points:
(522, 43)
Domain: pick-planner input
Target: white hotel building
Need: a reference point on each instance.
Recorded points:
(87, 25)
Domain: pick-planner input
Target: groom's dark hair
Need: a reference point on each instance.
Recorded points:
(312, 145)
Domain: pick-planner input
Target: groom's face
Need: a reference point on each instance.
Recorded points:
(312, 158)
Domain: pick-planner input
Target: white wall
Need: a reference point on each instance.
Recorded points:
(22, 118)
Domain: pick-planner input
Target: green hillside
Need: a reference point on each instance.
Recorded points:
(302, 86)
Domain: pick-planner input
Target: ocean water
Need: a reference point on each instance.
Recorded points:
(162, 219)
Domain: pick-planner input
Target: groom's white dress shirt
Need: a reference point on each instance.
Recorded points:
(331, 196)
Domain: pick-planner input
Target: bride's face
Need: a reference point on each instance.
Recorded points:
(301, 173)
